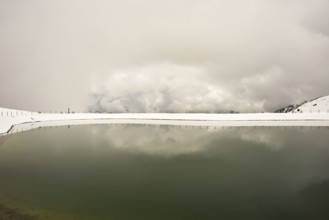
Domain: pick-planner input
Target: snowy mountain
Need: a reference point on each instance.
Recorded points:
(320, 105)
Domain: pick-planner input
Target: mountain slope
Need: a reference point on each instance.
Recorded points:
(320, 105)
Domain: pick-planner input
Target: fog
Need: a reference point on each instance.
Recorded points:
(162, 56)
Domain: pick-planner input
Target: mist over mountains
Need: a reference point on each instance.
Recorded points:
(166, 55)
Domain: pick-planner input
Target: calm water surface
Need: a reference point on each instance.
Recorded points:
(161, 172)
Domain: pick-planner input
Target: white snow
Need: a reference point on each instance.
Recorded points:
(320, 105)
(10, 118)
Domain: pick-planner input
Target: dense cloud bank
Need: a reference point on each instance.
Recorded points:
(164, 88)
(163, 56)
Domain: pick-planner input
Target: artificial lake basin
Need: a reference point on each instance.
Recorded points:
(128, 172)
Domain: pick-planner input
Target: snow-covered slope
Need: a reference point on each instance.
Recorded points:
(319, 105)
(316, 105)
(10, 118)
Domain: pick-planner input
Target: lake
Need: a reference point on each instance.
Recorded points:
(159, 172)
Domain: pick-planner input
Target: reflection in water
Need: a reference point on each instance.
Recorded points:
(167, 172)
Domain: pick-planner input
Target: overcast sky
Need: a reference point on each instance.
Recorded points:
(162, 55)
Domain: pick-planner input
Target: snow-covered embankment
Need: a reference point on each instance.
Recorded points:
(9, 118)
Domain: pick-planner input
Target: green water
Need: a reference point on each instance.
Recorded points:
(161, 172)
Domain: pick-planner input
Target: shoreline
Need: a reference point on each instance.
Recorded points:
(15, 121)
(14, 214)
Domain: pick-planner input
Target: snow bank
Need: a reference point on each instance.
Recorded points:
(9, 118)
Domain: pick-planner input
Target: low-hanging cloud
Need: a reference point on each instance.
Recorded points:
(165, 88)
(173, 55)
